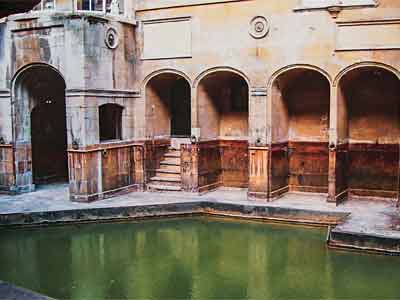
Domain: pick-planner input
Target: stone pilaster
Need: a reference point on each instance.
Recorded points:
(259, 152)
(259, 173)
(189, 167)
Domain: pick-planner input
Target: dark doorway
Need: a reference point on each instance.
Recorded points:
(110, 122)
(49, 133)
(168, 106)
(180, 109)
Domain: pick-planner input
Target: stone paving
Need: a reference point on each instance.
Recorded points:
(369, 217)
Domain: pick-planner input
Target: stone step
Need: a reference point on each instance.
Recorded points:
(168, 173)
(176, 142)
(163, 188)
(162, 181)
(175, 179)
(173, 154)
(170, 168)
(171, 162)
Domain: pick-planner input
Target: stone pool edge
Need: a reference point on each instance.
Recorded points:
(336, 238)
(363, 242)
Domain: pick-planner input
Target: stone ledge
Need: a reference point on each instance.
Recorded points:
(50, 15)
(104, 93)
(326, 4)
(144, 5)
(359, 241)
(107, 214)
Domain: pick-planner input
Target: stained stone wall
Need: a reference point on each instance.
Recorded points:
(260, 41)
(94, 72)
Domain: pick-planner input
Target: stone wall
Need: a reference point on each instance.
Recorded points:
(94, 73)
(302, 130)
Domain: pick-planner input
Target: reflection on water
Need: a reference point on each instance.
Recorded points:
(194, 258)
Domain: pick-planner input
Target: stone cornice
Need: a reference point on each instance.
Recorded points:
(328, 4)
(143, 5)
(4, 93)
(102, 93)
(50, 15)
(258, 91)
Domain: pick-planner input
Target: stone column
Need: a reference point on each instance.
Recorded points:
(7, 170)
(259, 151)
(194, 114)
(398, 182)
(84, 162)
(338, 148)
(189, 167)
(332, 146)
(22, 148)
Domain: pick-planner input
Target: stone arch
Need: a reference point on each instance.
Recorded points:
(368, 106)
(365, 64)
(38, 105)
(277, 73)
(164, 71)
(25, 68)
(223, 96)
(167, 95)
(299, 115)
(221, 69)
(222, 103)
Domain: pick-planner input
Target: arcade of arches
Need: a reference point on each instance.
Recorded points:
(197, 136)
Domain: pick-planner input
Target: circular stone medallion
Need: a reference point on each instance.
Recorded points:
(112, 39)
(259, 27)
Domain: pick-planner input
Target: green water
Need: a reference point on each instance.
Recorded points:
(195, 258)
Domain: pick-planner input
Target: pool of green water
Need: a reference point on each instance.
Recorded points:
(194, 258)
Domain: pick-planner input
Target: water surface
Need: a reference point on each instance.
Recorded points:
(196, 258)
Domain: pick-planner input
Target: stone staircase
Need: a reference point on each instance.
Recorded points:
(168, 176)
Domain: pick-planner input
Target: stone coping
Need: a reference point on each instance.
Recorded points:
(366, 242)
(324, 4)
(357, 225)
(132, 212)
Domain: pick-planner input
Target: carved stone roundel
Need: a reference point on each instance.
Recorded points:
(259, 27)
(111, 38)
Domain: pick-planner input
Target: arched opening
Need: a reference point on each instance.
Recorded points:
(223, 106)
(110, 122)
(223, 119)
(169, 126)
(300, 121)
(369, 124)
(168, 106)
(40, 127)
